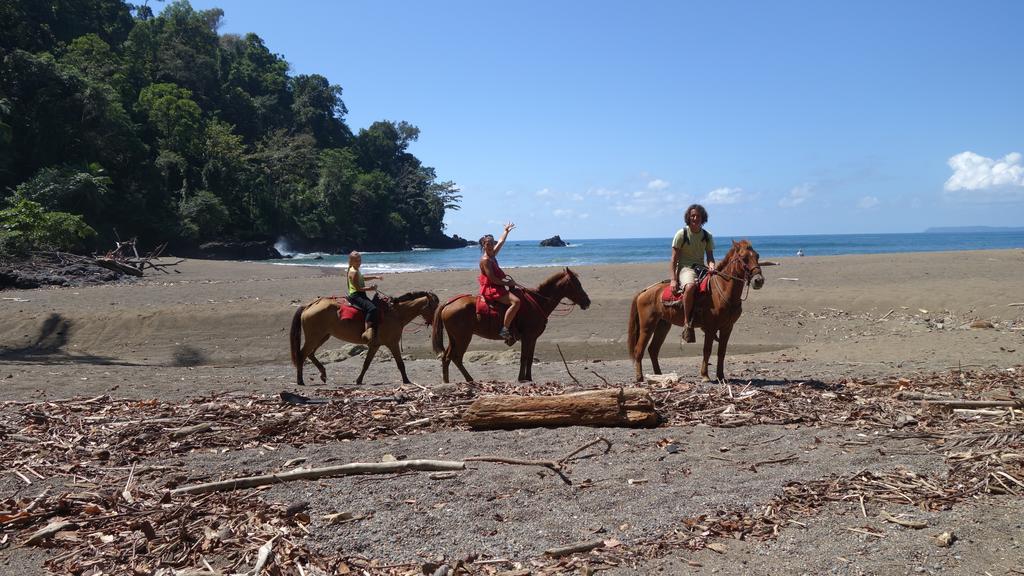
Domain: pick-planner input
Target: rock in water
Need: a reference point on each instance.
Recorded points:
(555, 240)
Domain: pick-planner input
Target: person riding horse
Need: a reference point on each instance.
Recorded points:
(357, 294)
(495, 285)
(690, 247)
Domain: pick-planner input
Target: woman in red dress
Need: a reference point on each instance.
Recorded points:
(495, 285)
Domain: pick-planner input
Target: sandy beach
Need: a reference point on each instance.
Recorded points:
(219, 330)
(817, 317)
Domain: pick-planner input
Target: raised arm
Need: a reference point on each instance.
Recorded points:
(504, 235)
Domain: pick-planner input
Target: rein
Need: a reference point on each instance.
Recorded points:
(748, 275)
(534, 294)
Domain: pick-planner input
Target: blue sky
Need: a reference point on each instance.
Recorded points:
(594, 119)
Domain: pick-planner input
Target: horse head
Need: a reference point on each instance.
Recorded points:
(411, 302)
(573, 290)
(428, 311)
(749, 261)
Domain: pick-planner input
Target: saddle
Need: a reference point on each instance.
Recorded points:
(670, 299)
(490, 314)
(347, 311)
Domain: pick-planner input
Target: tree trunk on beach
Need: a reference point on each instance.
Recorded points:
(632, 407)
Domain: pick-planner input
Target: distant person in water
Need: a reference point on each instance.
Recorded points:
(692, 246)
(495, 285)
(800, 252)
(357, 289)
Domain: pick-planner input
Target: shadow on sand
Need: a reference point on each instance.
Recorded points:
(48, 346)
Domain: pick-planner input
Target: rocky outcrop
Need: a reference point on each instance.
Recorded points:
(555, 240)
(455, 241)
(251, 250)
(37, 272)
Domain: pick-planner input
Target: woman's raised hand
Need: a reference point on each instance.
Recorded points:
(509, 226)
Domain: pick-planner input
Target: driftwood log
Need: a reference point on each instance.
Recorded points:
(316, 473)
(632, 407)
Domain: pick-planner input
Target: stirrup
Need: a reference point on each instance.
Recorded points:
(688, 334)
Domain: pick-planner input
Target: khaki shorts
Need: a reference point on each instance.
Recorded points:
(687, 275)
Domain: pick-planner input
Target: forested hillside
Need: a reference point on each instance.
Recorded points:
(116, 122)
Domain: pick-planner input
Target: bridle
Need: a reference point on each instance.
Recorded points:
(748, 274)
(417, 325)
(535, 294)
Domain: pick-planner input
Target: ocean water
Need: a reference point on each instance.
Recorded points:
(579, 252)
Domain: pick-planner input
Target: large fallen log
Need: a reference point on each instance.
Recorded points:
(632, 407)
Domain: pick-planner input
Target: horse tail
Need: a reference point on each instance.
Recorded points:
(295, 337)
(634, 325)
(437, 331)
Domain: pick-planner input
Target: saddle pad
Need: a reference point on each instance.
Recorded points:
(668, 296)
(347, 311)
(484, 308)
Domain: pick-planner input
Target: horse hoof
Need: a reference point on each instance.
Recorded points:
(705, 379)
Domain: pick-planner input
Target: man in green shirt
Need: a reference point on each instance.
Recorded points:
(692, 246)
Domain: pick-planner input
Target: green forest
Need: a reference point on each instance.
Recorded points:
(116, 122)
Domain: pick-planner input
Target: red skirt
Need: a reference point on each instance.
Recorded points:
(491, 291)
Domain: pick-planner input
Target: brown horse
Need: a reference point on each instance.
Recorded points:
(460, 319)
(717, 310)
(319, 321)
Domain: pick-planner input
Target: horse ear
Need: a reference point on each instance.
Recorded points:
(734, 242)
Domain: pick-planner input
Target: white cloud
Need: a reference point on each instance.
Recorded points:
(724, 195)
(987, 178)
(867, 202)
(569, 213)
(577, 197)
(657, 184)
(626, 209)
(603, 192)
(797, 196)
(542, 192)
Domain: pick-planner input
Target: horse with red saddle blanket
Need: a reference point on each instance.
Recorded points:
(718, 305)
(469, 314)
(334, 316)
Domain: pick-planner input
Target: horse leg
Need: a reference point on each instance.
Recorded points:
(307, 351)
(396, 351)
(320, 367)
(657, 339)
(647, 328)
(526, 359)
(723, 342)
(457, 346)
(313, 359)
(444, 365)
(370, 351)
(709, 339)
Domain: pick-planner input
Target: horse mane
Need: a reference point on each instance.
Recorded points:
(553, 280)
(415, 295)
(736, 247)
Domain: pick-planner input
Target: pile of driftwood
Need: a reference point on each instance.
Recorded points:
(99, 489)
(125, 258)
